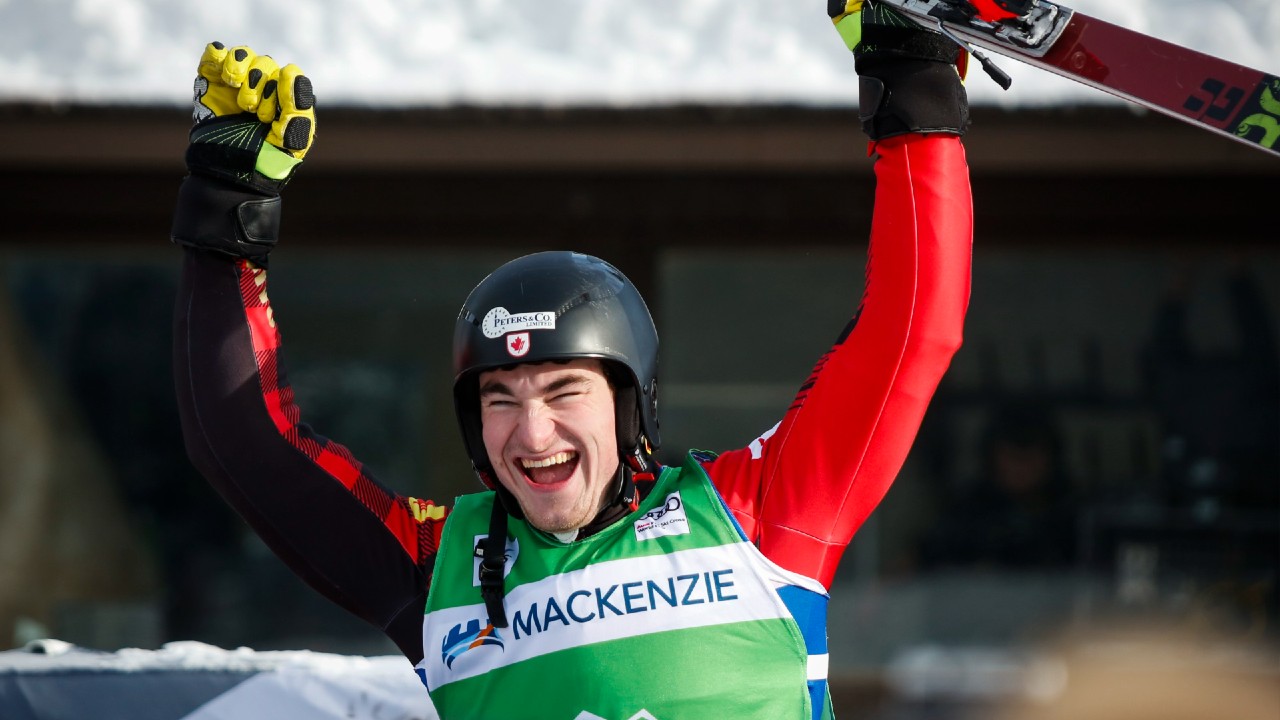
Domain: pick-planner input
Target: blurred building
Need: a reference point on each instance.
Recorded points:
(746, 228)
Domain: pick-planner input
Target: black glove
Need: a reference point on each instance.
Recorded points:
(254, 122)
(910, 77)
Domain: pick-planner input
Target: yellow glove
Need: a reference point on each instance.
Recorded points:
(254, 120)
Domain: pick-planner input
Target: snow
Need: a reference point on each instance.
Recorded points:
(61, 679)
(555, 52)
(43, 656)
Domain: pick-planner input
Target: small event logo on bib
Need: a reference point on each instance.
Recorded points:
(667, 519)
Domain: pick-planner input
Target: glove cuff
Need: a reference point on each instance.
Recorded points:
(898, 96)
(226, 219)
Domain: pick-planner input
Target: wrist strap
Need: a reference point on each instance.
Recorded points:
(899, 96)
(223, 218)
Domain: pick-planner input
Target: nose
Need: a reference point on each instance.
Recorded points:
(536, 429)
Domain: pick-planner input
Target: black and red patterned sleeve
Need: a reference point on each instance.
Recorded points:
(354, 540)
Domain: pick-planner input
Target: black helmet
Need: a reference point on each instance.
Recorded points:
(559, 306)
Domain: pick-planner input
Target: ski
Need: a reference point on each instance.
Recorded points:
(1215, 94)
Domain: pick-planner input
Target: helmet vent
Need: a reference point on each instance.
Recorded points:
(596, 294)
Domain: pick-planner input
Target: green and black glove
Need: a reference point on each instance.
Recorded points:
(910, 78)
(253, 124)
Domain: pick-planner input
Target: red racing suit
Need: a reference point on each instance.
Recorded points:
(800, 491)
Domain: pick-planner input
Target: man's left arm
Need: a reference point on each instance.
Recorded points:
(803, 489)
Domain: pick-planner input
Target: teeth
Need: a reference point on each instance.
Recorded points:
(561, 457)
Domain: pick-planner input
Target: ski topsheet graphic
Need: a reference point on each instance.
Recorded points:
(1216, 94)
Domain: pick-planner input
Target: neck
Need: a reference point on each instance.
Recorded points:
(616, 509)
(607, 517)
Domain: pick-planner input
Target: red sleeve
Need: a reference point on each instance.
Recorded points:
(351, 538)
(804, 488)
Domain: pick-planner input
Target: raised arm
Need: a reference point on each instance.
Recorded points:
(803, 488)
(349, 537)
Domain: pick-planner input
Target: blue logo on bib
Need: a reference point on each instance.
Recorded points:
(460, 639)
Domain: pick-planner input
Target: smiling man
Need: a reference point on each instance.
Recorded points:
(549, 436)
(589, 580)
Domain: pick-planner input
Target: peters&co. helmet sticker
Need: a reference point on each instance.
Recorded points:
(498, 322)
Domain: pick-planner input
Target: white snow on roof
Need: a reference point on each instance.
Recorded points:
(553, 52)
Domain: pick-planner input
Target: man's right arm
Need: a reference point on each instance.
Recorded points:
(355, 541)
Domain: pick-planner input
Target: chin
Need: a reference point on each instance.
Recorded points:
(551, 524)
(554, 520)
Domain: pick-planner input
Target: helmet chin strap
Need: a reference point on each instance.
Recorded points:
(491, 550)
(638, 460)
(506, 500)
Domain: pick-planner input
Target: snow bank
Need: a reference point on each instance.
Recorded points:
(52, 680)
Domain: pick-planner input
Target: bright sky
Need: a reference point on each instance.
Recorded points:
(552, 52)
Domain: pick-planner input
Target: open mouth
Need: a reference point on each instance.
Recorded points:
(550, 470)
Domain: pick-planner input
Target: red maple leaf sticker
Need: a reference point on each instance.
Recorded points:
(518, 344)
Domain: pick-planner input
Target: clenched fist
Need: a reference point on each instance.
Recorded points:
(254, 120)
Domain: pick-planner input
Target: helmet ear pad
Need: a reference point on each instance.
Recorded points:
(627, 424)
(635, 448)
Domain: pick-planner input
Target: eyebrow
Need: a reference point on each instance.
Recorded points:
(495, 387)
